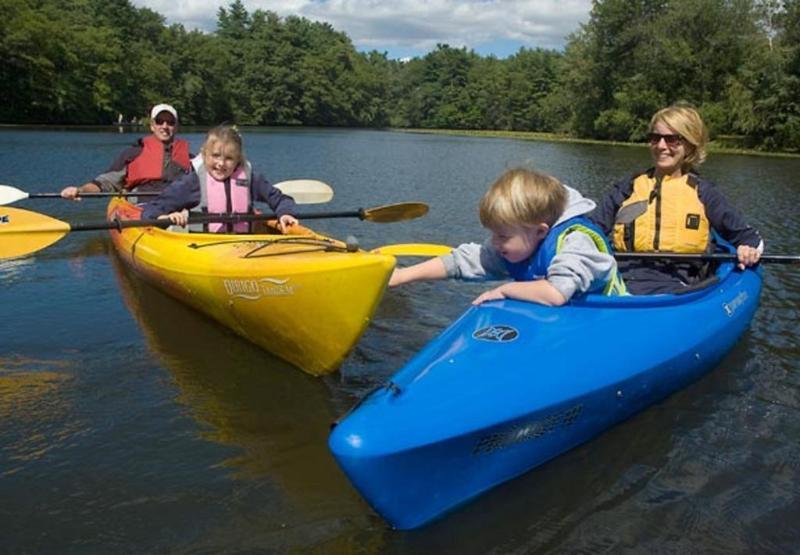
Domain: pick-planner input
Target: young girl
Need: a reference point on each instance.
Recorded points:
(222, 183)
(540, 238)
(670, 208)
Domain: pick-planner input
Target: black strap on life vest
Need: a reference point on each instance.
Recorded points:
(656, 194)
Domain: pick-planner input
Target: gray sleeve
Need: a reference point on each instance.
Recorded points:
(111, 181)
(579, 266)
(474, 262)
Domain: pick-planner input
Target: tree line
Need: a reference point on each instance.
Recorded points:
(85, 61)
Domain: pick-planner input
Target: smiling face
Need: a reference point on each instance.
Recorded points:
(221, 159)
(518, 243)
(163, 126)
(668, 153)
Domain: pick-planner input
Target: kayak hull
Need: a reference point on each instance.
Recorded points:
(303, 297)
(510, 385)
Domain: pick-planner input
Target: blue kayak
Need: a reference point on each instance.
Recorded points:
(510, 385)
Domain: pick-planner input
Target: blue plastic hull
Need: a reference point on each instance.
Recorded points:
(510, 385)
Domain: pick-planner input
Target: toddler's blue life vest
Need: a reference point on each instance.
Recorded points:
(536, 266)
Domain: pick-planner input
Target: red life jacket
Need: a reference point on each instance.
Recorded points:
(149, 165)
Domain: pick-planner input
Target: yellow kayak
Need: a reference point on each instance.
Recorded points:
(302, 296)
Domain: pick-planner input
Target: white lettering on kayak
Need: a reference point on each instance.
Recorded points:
(254, 289)
(528, 431)
(737, 301)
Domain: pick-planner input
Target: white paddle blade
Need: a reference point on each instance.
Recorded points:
(306, 191)
(9, 195)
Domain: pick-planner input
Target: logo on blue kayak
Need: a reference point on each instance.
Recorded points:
(496, 333)
(734, 305)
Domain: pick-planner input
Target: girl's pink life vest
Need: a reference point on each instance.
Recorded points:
(231, 196)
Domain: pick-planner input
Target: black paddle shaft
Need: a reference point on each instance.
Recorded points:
(774, 259)
(210, 218)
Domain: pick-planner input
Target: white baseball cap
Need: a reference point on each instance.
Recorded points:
(158, 108)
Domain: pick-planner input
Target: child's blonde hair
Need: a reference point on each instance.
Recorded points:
(523, 197)
(686, 121)
(226, 134)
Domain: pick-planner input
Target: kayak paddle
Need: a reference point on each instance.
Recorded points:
(24, 232)
(721, 256)
(413, 249)
(304, 191)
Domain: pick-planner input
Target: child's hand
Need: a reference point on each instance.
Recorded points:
(495, 294)
(286, 221)
(177, 218)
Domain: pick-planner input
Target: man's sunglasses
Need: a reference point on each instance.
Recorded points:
(671, 140)
(161, 121)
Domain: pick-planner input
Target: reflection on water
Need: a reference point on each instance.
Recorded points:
(276, 417)
(14, 269)
(32, 408)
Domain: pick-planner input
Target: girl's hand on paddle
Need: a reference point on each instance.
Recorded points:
(70, 192)
(748, 256)
(286, 221)
(177, 218)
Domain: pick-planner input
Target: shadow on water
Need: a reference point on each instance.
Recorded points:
(275, 417)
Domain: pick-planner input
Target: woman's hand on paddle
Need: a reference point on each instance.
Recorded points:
(180, 218)
(286, 221)
(748, 256)
(70, 192)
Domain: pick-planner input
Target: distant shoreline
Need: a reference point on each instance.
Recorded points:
(714, 146)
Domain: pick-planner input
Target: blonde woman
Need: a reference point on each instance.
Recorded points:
(670, 208)
(539, 237)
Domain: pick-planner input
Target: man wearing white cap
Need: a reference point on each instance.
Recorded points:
(148, 165)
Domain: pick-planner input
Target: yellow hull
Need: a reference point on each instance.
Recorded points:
(302, 297)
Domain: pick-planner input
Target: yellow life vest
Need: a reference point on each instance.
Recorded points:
(662, 214)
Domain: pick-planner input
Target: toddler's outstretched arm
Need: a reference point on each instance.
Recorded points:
(537, 291)
(428, 270)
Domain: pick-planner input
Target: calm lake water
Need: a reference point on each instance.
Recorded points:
(130, 423)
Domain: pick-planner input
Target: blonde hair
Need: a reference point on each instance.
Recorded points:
(684, 120)
(523, 197)
(226, 134)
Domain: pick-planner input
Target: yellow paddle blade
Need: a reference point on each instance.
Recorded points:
(23, 232)
(413, 249)
(395, 212)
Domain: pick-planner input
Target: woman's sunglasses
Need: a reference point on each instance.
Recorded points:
(671, 140)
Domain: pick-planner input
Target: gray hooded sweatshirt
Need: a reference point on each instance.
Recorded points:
(578, 267)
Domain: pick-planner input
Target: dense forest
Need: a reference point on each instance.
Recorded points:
(85, 61)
